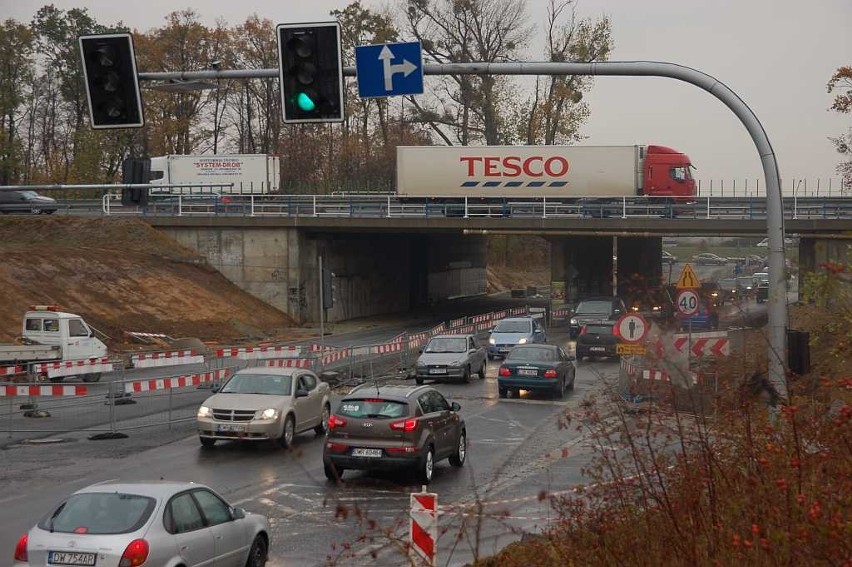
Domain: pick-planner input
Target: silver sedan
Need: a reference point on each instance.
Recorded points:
(159, 523)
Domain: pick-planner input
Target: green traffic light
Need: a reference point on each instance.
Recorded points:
(305, 102)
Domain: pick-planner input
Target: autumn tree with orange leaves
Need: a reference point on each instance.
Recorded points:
(841, 86)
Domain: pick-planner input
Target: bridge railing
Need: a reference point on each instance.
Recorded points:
(389, 206)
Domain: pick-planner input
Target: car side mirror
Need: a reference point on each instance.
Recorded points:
(455, 406)
(420, 351)
(215, 389)
(237, 513)
(300, 393)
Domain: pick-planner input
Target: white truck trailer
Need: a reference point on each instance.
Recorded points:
(50, 335)
(507, 172)
(248, 174)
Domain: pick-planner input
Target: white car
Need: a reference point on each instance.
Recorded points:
(159, 523)
(265, 404)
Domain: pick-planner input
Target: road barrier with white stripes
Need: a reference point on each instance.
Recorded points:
(168, 358)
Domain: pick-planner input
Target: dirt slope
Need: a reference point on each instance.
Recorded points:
(122, 275)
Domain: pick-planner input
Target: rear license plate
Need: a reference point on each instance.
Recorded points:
(597, 349)
(70, 558)
(437, 371)
(527, 371)
(372, 453)
(238, 427)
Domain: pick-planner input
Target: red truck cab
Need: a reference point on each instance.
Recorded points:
(668, 174)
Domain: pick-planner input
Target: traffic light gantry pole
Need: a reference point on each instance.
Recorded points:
(777, 302)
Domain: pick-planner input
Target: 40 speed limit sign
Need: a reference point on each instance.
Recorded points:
(687, 301)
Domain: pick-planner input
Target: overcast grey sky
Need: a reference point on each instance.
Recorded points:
(777, 55)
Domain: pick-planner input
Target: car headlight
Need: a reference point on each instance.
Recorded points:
(522, 341)
(204, 411)
(270, 413)
(573, 321)
(492, 341)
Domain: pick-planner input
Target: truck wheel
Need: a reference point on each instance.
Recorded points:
(93, 377)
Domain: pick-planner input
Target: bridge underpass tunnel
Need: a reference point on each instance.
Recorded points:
(595, 265)
(376, 274)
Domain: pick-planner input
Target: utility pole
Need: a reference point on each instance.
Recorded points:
(321, 306)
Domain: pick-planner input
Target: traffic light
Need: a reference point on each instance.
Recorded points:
(135, 171)
(311, 72)
(112, 87)
(327, 288)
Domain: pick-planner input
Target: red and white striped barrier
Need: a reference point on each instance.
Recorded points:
(185, 381)
(499, 315)
(423, 529)
(10, 370)
(560, 313)
(438, 329)
(316, 347)
(336, 356)
(456, 323)
(481, 318)
(713, 343)
(169, 358)
(629, 368)
(386, 348)
(418, 340)
(260, 352)
(399, 338)
(49, 391)
(660, 376)
(74, 367)
(291, 363)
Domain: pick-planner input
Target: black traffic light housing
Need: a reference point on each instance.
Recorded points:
(311, 72)
(135, 171)
(112, 86)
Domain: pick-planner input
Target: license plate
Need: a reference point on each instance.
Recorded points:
(230, 427)
(597, 349)
(70, 558)
(373, 453)
(527, 371)
(437, 371)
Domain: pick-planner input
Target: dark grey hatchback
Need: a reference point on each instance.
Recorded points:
(394, 427)
(26, 202)
(596, 339)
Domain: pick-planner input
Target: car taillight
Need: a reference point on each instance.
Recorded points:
(400, 450)
(504, 371)
(226, 200)
(135, 554)
(334, 422)
(336, 447)
(407, 425)
(21, 549)
(550, 373)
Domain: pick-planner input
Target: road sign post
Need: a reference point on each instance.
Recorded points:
(390, 69)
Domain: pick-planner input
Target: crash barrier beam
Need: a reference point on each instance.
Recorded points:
(73, 367)
(183, 381)
(423, 526)
(166, 358)
(14, 390)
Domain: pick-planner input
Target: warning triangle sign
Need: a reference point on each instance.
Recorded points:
(688, 279)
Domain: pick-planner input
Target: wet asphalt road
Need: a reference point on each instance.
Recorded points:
(516, 450)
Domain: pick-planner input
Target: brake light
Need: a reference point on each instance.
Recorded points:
(400, 450)
(226, 200)
(406, 425)
(21, 549)
(334, 422)
(504, 371)
(135, 554)
(550, 373)
(336, 447)
(374, 400)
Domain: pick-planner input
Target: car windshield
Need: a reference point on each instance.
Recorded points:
(269, 384)
(533, 354)
(373, 408)
(593, 307)
(447, 345)
(100, 513)
(512, 327)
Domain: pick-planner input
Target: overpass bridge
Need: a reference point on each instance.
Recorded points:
(389, 255)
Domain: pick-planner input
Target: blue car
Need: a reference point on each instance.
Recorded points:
(509, 333)
(705, 319)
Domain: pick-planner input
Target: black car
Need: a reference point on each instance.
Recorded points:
(26, 202)
(597, 339)
(536, 367)
(595, 309)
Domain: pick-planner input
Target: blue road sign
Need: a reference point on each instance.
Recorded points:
(390, 69)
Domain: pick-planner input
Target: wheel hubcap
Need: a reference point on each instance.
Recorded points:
(325, 416)
(462, 447)
(428, 469)
(288, 431)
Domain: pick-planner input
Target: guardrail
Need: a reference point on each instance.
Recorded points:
(387, 206)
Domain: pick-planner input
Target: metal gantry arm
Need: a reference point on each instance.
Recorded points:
(777, 303)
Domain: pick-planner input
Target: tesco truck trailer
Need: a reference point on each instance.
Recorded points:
(506, 172)
(236, 174)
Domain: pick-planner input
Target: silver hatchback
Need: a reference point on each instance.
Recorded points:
(117, 524)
